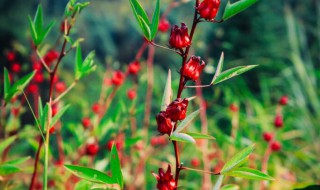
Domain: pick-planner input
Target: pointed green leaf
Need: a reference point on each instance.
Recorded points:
(6, 83)
(116, 167)
(58, 115)
(38, 20)
(5, 143)
(237, 159)
(6, 169)
(237, 7)
(78, 63)
(155, 20)
(167, 94)
(248, 173)
(33, 31)
(200, 136)
(17, 161)
(219, 68)
(230, 187)
(222, 8)
(40, 107)
(186, 121)
(145, 28)
(88, 64)
(47, 30)
(218, 183)
(182, 137)
(89, 174)
(232, 73)
(46, 117)
(138, 11)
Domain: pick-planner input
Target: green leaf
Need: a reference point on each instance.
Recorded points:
(58, 115)
(237, 7)
(6, 82)
(167, 94)
(78, 62)
(138, 11)
(89, 174)
(155, 20)
(38, 20)
(222, 8)
(5, 143)
(219, 68)
(218, 183)
(17, 161)
(40, 107)
(248, 173)
(237, 159)
(88, 64)
(200, 136)
(230, 187)
(145, 28)
(186, 121)
(6, 169)
(232, 73)
(34, 34)
(45, 117)
(116, 167)
(82, 185)
(182, 137)
(47, 30)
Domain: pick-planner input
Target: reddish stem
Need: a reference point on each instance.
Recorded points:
(34, 175)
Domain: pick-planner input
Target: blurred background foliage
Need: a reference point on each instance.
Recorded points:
(282, 37)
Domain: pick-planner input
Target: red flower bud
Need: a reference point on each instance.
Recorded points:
(134, 67)
(16, 67)
(117, 78)
(38, 77)
(33, 88)
(55, 79)
(193, 68)
(267, 136)
(284, 100)
(278, 121)
(233, 108)
(195, 162)
(96, 108)
(179, 37)
(275, 146)
(164, 25)
(60, 87)
(177, 109)
(11, 56)
(208, 9)
(92, 149)
(164, 123)
(86, 122)
(50, 56)
(165, 179)
(131, 94)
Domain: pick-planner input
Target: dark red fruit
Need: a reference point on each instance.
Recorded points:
(193, 68)
(275, 146)
(134, 67)
(208, 9)
(92, 149)
(117, 78)
(164, 123)
(278, 121)
(164, 25)
(165, 179)
(96, 108)
(86, 122)
(284, 100)
(177, 109)
(267, 136)
(132, 94)
(179, 37)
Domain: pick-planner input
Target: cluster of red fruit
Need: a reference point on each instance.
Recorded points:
(278, 123)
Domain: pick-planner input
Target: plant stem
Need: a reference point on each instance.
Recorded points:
(35, 167)
(65, 92)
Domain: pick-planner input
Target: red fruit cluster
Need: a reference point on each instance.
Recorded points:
(208, 9)
(179, 37)
(267, 136)
(134, 67)
(92, 149)
(117, 78)
(175, 111)
(165, 179)
(164, 25)
(193, 68)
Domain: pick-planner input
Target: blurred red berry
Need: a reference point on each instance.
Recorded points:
(86, 122)
(134, 67)
(193, 68)
(177, 109)
(58, 163)
(15, 112)
(233, 108)
(38, 77)
(118, 144)
(275, 146)
(33, 88)
(54, 109)
(179, 37)
(284, 100)
(117, 78)
(11, 56)
(36, 66)
(165, 179)
(60, 87)
(64, 26)
(52, 130)
(208, 9)
(132, 94)
(92, 149)
(164, 123)
(267, 136)
(278, 121)
(51, 56)
(195, 162)
(16, 67)
(51, 183)
(96, 108)
(164, 25)
(38, 185)
(158, 140)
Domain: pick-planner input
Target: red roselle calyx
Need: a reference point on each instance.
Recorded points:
(165, 179)
(117, 78)
(193, 68)
(16, 67)
(132, 94)
(134, 67)
(177, 109)
(60, 87)
(208, 9)
(275, 146)
(92, 149)
(86, 122)
(278, 121)
(164, 25)
(179, 37)
(283, 100)
(164, 123)
(51, 56)
(267, 136)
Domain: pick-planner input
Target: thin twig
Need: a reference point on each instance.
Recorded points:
(65, 92)
(160, 46)
(44, 64)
